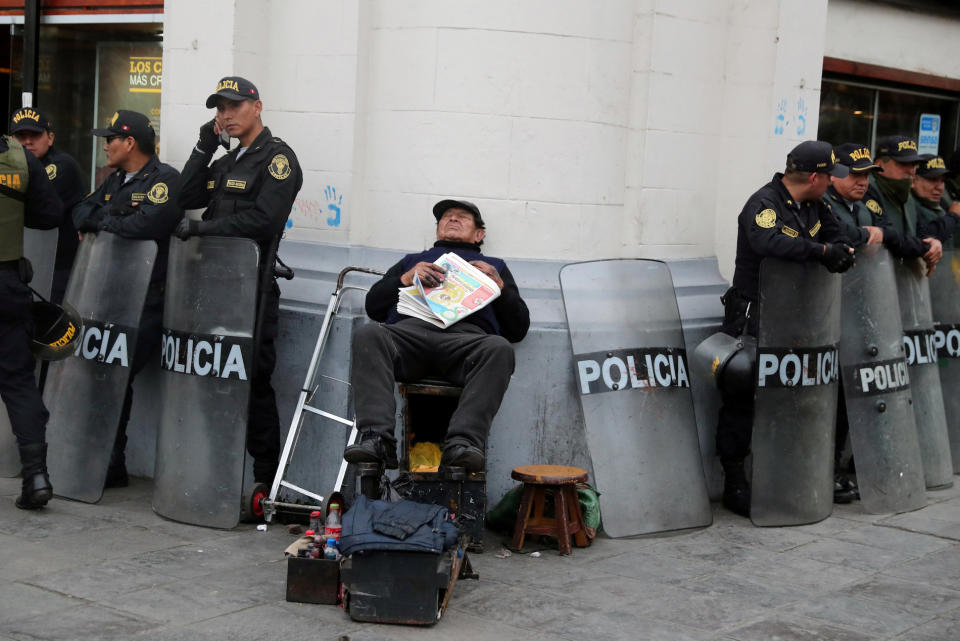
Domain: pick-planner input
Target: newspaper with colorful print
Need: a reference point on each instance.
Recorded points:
(464, 290)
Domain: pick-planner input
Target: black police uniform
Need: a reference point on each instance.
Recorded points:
(64, 172)
(144, 207)
(250, 196)
(18, 388)
(904, 218)
(772, 223)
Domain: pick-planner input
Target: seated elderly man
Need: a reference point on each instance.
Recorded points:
(474, 353)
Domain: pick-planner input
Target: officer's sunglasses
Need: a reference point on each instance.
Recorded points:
(110, 139)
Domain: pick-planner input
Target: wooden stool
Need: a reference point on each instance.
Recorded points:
(561, 481)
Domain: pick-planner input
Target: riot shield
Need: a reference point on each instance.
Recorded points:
(913, 291)
(631, 371)
(208, 323)
(876, 386)
(84, 393)
(945, 300)
(795, 409)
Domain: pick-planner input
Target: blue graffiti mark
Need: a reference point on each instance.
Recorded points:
(289, 223)
(781, 120)
(334, 204)
(801, 117)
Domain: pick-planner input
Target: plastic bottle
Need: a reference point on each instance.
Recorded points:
(332, 527)
(330, 550)
(308, 549)
(315, 520)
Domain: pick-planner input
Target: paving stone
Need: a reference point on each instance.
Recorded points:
(780, 627)
(802, 572)
(857, 555)
(786, 538)
(181, 602)
(916, 596)
(100, 581)
(24, 558)
(87, 623)
(878, 618)
(624, 624)
(736, 583)
(910, 543)
(939, 568)
(710, 548)
(21, 601)
(922, 524)
(523, 608)
(940, 628)
(654, 567)
(263, 582)
(706, 611)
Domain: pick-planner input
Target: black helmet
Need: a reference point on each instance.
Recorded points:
(57, 328)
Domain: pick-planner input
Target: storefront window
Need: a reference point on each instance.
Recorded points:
(851, 111)
(86, 72)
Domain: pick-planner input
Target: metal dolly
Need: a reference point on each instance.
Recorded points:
(270, 503)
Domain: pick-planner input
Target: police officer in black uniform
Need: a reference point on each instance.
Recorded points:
(786, 219)
(138, 201)
(27, 198)
(248, 192)
(933, 209)
(33, 130)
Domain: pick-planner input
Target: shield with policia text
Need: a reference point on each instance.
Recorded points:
(795, 408)
(945, 299)
(40, 246)
(631, 371)
(206, 364)
(876, 387)
(913, 291)
(85, 393)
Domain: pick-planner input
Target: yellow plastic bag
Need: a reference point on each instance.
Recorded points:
(425, 457)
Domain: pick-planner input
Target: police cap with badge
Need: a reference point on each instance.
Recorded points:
(128, 123)
(856, 157)
(233, 88)
(816, 156)
(932, 167)
(900, 148)
(29, 119)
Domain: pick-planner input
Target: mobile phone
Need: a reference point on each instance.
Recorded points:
(225, 140)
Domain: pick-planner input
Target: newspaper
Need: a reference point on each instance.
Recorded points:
(464, 290)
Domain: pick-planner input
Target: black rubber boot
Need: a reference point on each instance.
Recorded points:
(372, 448)
(468, 457)
(36, 484)
(117, 470)
(845, 489)
(736, 489)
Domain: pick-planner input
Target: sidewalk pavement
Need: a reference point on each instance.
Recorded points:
(115, 570)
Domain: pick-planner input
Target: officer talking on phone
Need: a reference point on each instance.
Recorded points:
(248, 192)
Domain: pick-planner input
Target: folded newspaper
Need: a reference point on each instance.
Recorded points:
(464, 290)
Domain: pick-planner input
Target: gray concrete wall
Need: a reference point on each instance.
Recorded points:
(540, 420)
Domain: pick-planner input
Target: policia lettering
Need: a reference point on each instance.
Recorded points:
(803, 367)
(920, 346)
(206, 354)
(946, 340)
(612, 371)
(106, 343)
(881, 377)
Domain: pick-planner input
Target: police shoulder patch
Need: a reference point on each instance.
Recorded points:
(51, 171)
(159, 194)
(875, 207)
(279, 167)
(766, 218)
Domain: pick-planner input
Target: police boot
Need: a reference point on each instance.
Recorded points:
(117, 470)
(36, 484)
(736, 489)
(372, 448)
(845, 489)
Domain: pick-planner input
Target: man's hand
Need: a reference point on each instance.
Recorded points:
(876, 235)
(187, 228)
(91, 222)
(489, 270)
(121, 209)
(955, 207)
(935, 253)
(431, 275)
(209, 137)
(837, 257)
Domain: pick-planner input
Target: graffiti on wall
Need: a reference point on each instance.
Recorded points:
(791, 119)
(318, 213)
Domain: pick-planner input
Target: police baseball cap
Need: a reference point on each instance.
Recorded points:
(816, 156)
(128, 123)
(441, 207)
(29, 119)
(900, 148)
(233, 88)
(856, 158)
(932, 167)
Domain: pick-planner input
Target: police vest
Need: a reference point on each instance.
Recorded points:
(235, 184)
(13, 190)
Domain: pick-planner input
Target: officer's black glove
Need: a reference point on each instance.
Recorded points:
(108, 223)
(837, 257)
(121, 209)
(208, 141)
(187, 228)
(91, 222)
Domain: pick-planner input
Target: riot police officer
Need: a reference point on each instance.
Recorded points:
(928, 189)
(249, 193)
(138, 201)
(786, 219)
(33, 130)
(27, 198)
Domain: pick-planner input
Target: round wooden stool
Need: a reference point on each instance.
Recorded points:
(561, 481)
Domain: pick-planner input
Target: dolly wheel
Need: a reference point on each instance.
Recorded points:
(251, 508)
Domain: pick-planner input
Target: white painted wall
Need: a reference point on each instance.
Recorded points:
(583, 129)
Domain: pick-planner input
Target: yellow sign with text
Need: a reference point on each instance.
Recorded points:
(146, 74)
